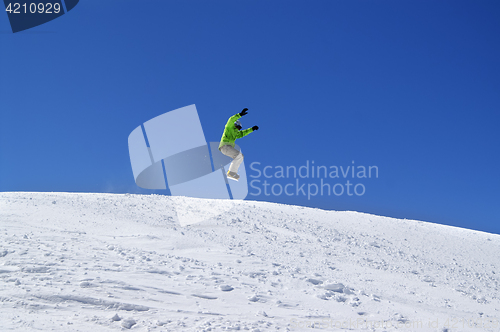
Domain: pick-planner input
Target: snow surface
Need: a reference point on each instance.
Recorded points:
(100, 262)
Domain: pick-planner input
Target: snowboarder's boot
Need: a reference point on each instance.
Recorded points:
(233, 176)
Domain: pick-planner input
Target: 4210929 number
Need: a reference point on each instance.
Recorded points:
(33, 8)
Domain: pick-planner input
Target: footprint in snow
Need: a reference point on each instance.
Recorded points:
(226, 288)
(128, 323)
(314, 281)
(207, 297)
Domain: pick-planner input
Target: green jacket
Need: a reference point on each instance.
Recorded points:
(231, 133)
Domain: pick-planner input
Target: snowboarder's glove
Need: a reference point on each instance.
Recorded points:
(254, 128)
(244, 112)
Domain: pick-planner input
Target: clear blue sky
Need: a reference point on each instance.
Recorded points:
(412, 87)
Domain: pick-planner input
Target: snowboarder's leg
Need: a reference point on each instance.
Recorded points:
(236, 163)
(237, 156)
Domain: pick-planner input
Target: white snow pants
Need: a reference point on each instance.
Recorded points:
(237, 156)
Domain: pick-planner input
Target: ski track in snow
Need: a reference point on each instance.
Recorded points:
(92, 262)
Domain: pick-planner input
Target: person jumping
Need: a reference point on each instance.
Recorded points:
(233, 131)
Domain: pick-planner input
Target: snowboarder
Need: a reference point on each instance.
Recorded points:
(233, 131)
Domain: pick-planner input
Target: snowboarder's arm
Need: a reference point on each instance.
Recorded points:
(237, 116)
(233, 119)
(243, 133)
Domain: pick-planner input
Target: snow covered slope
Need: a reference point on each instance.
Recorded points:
(100, 262)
